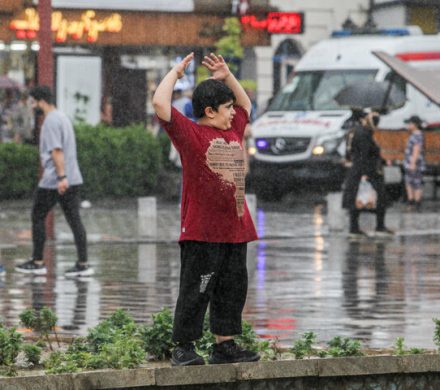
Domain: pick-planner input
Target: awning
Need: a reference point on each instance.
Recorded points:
(222, 7)
(425, 80)
(127, 5)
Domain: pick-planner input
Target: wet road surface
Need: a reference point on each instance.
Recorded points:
(301, 277)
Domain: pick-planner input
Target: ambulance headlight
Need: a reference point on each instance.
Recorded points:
(326, 146)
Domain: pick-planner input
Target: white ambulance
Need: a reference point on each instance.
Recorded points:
(300, 137)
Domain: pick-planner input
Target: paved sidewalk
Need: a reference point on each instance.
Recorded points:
(301, 276)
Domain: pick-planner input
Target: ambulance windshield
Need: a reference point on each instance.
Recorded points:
(315, 90)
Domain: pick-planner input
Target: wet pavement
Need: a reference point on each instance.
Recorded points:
(301, 276)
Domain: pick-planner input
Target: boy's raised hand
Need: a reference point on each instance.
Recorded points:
(181, 66)
(217, 66)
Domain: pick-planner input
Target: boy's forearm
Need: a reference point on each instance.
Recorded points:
(163, 96)
(242, 99)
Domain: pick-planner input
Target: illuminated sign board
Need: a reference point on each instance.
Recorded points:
(277, 22)
(87, 26)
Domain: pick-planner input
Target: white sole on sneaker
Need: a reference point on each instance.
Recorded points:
(41, 271)
(87, 272)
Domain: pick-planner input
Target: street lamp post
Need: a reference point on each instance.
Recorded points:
(45, 71)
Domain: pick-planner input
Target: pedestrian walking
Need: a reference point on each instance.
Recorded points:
(215, 221)
(60, 183)
(414, 163)
(367, 165)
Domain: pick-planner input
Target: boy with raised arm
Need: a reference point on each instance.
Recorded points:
(215, 221)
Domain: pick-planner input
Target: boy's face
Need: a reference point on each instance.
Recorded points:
(223, 116)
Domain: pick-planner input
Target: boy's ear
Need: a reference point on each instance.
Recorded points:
(210, 112)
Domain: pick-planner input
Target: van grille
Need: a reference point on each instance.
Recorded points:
(281, 146)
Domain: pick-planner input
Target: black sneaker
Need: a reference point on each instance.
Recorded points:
(185, 355)
(230, 352)
(80, 270)
(30, 267)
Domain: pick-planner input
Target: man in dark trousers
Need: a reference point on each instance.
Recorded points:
(367, 164)
(60, 183)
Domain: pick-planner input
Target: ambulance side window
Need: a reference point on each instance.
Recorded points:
(398, 81)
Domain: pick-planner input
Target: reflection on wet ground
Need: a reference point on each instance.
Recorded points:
(301, 277)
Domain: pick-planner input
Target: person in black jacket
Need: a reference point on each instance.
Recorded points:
(366, 163)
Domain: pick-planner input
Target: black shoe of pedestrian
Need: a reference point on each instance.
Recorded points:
(185, 355)
(31, 267)
(80, 270)
(230, 352)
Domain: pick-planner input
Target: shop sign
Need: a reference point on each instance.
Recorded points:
(277, 22)
(86, 26)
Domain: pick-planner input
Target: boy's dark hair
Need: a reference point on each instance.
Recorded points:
(42, 92)
(210, 93)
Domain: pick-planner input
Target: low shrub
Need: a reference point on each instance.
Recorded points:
(117, 162)
(32, 353)
(19, 168)
(157, 336)
(10, 345)
(114, 162)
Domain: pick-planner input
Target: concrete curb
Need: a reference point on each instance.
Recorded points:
(228, 373)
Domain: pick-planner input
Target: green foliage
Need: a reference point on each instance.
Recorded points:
(42, 322)
(157, 336)
(117, 162)
(165, 145)
(59, 362)
(33, 353)
(304, 346)
(28, 318)
(8, 371)
(344, 346)
(249, 84)
(114, 343)
(10, 345)
(125, 351)
(19, 165)
(205, 343)
(437, 332)
(229, 46)
(119, 324)
(400, 348)
(248, 338)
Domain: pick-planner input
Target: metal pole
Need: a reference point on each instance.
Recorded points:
(45, 72)
(45, 58)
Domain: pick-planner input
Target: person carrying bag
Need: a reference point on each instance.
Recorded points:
(366, 168)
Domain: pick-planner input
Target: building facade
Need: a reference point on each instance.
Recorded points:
(422, 13)
(115, 50)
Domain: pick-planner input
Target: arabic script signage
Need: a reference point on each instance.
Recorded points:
(87, 26)
(277, 22)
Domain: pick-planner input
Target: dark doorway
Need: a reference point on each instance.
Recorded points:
(129, 96)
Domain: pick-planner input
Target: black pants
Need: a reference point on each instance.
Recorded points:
(354, 219)
(213, 273)
(44, 201)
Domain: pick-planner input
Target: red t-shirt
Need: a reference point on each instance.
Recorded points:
(213, 205)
